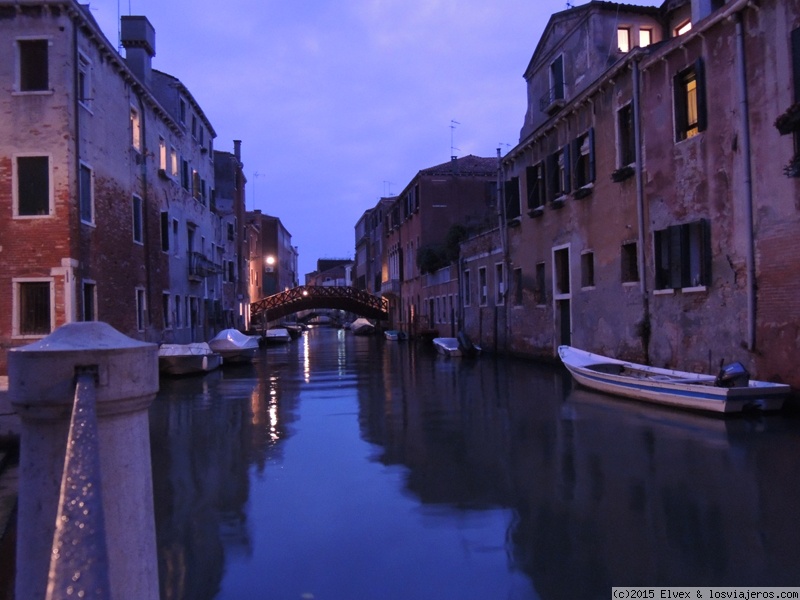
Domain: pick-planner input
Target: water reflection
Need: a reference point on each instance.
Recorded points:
(343, 467)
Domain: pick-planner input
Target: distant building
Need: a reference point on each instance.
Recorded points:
(273, 259)
(230, 206)
(332, 271)
(423, 226)
(370, 240)
(106, 184)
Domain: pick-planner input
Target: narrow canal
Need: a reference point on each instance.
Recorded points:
(341, 467)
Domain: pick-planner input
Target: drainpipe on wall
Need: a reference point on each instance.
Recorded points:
(748, 184)
(503, 247)
(644, 328)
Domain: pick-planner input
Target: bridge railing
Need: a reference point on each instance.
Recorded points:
(316, 296)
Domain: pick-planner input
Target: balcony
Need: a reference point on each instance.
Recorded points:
(200, 266)
(553, 99)
(390, 287)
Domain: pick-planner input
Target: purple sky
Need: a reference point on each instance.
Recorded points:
(338, 103)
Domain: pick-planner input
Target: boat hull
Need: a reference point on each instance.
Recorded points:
(188, 364)
(668, 387)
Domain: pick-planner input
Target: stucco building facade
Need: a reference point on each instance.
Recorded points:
(650, 208)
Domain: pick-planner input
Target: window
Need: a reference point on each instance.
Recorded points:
(185, 182)
(482, 292)
(626, 139)
(561, 271)
(140, 309)
(34, 315)
(86, 203)
(33, 186)
(645, 37)
(136, 130)
(33, 66)
(630, 263)
(583, 158)
(137, 220)
(534, 178)
(557, 79)
(683, 256)
(194, 126)
(499, 284)
(175, 235)
(466, 291)
(540, 292)
(683, 28)
(164, 231)
(173, 162)
(231, 232)
(624, 39)
(84, 81)
(165, 304)
(557, 169)
(178, 321)
(512, 198)
(89, 301)
(587, 269)
(182, 112)
(231, 272)
(162, 154)
(690, 104)
(518, 286)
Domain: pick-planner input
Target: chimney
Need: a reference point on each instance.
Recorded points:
(237, 150)
(139, 39)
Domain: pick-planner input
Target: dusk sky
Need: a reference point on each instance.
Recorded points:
(340, 103)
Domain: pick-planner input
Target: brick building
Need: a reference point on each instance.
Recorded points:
(106, 184)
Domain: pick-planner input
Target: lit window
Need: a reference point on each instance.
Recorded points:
(162, 154)
(624, 39)
(136, 130)
(645, 37)
(690, 107)
(684, 28)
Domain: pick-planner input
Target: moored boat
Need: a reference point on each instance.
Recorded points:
(278, 335)
(730, 391)
(448, 346)
(362, 327)
(234, 346)
(394, 335)
(187, 359)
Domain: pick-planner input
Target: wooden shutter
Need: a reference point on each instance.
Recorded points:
(702, 105)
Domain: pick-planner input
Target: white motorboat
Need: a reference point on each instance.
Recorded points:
(278, 335)
(186, 359)
(362, 327)
(730, 391)
(234, 346)
(394, 335)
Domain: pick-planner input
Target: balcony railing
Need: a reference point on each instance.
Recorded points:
(201, 266)
(552, 99)
(390, 287)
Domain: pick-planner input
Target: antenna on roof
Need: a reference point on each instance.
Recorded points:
(452, 128)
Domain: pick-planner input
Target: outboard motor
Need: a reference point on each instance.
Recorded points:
(732, 375)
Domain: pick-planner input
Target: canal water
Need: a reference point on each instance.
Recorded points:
(342, 467)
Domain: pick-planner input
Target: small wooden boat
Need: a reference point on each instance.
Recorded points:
(187, 359)
(394, 335)
(362, 327)
(234, 346)
(729, 392)
(456, 346)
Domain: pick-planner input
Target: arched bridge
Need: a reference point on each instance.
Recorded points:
(306, 297)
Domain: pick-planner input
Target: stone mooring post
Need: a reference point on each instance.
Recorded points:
(42, 383)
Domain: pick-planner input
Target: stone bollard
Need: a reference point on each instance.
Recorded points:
(42, 379)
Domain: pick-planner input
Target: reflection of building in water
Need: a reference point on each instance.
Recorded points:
(603, 491)
(205, 433)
